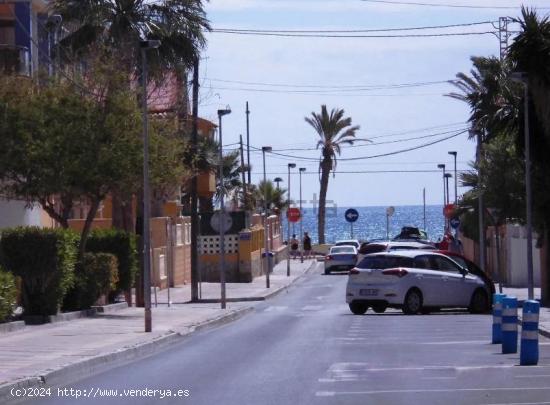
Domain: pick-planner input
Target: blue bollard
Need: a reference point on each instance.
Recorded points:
(497, 317)
(529, 355)
(509, 325)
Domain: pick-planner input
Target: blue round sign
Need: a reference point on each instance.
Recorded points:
(351, 215)
(455, 223)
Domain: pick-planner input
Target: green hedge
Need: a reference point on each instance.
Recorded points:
(96, 275)
(45, 261)
(123, 246)
(8, 293)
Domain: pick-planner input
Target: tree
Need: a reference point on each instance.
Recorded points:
(120, 25)
(334, 131)
(60, 144)
(116, 28)
(530, 53)
(275, 196)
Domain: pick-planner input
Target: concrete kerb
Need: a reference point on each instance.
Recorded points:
(72, 372)
(285, 287)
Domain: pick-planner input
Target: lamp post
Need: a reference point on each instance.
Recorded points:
(145, 46)
(290, 166)
(522, 78)
(300, 170)
(221, 185)
(454, 153)
(277, 180)
(442, 167)
(266, 233)
(447, 177)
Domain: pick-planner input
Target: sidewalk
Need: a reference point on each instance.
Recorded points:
(521, 295)
(60, 352)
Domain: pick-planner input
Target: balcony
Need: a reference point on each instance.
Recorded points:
(15, 60)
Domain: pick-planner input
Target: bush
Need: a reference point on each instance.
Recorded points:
(123, 246)
(96, 275)
(8, 293)
(45, 260)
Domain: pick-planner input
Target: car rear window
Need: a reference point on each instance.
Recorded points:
(385, 262)
(342, 249)
(349, 243)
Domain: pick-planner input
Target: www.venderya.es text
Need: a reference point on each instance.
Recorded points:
(97, 392)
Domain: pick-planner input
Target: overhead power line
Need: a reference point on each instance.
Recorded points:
(468, 6)
(360, 87)
(313, 35)
(307, 158)
(432, 27)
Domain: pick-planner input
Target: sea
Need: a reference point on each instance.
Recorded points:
(371, 223)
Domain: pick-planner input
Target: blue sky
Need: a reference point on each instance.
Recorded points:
(234, 65)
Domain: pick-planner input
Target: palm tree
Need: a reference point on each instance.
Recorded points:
(334, 131)
(276, 201)
(119, 25)
(493, 102)
(530, 53)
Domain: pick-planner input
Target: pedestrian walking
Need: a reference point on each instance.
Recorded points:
(306, 243)
(294, 245)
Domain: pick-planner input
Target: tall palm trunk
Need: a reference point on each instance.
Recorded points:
(326, 166)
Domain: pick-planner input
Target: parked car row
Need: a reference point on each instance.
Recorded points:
(410, 275)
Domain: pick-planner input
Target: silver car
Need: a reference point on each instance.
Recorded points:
(340, 258)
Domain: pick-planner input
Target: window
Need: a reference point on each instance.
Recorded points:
(385, 262)
(444, 264)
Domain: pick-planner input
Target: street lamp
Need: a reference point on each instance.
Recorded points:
(145, 46)
(454, 153)
(277, 180)
(267, 261)
(300, 170)
(221, 113)
(290, 166)
(523, 78)
(447, 177)
(442, 167)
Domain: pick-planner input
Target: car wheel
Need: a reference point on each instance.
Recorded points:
(479, 302)
(413, 302)
(327, 271)
(380, 308)
(358, 308)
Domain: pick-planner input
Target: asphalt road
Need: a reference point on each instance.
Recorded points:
(305, 347)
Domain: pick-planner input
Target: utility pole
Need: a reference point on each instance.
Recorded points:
(194, 186)
(248, 143)
(503, 36)
(242, 171)
(480, 204)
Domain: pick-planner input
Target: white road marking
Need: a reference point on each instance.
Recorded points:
(418, 391)
(439, 378)
(532, 376)
(274, 308)
(351, 367)
(521, 403)
(312, 308)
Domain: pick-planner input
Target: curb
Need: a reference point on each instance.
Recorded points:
(11, 326)
(281, 289)
(72, 372)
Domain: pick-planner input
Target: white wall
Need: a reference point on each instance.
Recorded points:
(516, 245)
(14, 213)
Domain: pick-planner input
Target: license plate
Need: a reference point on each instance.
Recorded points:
(369, 292)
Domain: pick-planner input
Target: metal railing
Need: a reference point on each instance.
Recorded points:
(15, 60)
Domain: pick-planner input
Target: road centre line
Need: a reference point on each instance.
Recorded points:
(532, 376)
(419, 391)
(351, 367)
(520, 403)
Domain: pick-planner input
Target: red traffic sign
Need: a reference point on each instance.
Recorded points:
(449, 210)
(293, 214)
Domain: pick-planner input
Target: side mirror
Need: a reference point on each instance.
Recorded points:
(463, 271)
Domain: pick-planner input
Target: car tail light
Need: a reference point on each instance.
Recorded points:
(328, 257)
(395, 272)
(354, 271)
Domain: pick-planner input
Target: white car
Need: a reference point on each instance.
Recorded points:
(415, 281)
(340, 258)
(348, 242)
